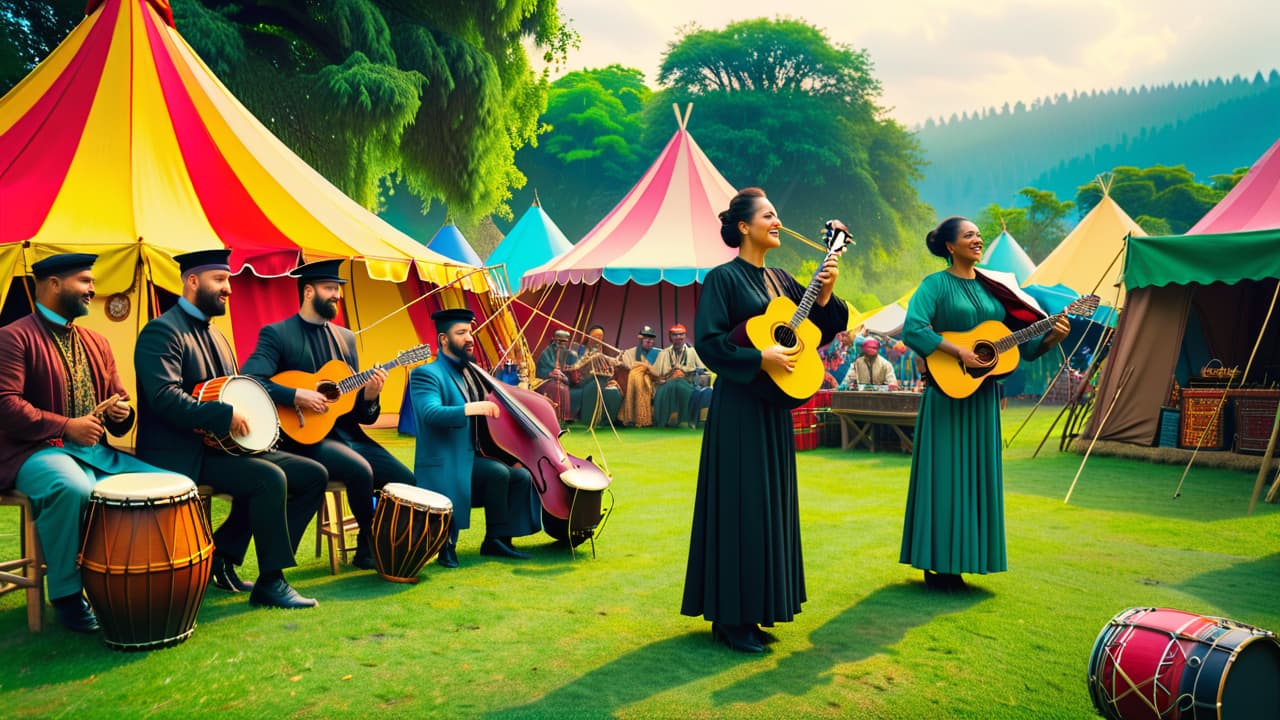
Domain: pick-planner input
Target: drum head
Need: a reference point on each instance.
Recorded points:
(143, 486)
(418, 496)
(250, 399)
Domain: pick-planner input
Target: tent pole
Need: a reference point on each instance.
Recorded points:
(1226, 391)
(1084, 382)
(662, 323)
(1266, 465)
(617, 335)
(1124, 379)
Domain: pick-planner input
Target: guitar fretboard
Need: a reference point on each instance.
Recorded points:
(359, 379)
(1030, 332)
(810, 293)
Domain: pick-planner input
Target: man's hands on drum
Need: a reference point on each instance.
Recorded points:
(311, 401)
(374, 386)
(487, 408)
(239, 424)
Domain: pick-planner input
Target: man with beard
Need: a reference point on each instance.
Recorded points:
(274, 494)
(448, 405)
(637, 406)
(54, 377)
(678, 394)
(306, 342)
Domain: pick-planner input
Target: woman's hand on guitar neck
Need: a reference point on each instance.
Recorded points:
(1060, 330)
(827, 276)
(776, 357)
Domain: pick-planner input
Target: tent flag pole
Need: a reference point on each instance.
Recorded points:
(1124, 379)
(1217, 413)
(1266, 465)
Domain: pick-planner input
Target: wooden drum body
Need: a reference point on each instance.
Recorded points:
(410, 526)
(145, 559)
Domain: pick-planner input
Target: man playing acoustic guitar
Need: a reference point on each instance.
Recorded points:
(305, 342)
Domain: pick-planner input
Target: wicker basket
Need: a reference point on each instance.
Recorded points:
(1200, 409)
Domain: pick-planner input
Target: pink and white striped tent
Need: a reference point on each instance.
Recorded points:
(643, 263)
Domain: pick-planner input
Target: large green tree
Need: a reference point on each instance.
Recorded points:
(779, 105)
(1160, 198)
(590, 153)
(439, 93)
(1038, 227)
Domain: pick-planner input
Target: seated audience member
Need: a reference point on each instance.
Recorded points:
(601, 397)
(870, 368)
(637, 405)
(676, 367)
(556, 369)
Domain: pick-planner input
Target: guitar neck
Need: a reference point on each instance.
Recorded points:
(1030, 332)
(810, 296)
(357, 381)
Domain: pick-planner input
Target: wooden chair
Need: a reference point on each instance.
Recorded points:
(333, 523)
(29, 567)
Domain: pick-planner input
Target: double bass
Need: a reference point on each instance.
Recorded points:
(571, 488)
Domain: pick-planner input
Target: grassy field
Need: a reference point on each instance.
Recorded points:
(559, 636)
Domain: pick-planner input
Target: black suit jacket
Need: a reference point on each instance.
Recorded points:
(170, 361)
(282, 346)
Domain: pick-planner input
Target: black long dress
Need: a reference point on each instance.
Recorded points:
(745, 563)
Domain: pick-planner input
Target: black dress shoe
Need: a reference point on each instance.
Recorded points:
(73, 613)
(278, 593)
(762, 636)
(494, 547)
(738, 637)
(363, 559)
(223, 576)
(448, 556)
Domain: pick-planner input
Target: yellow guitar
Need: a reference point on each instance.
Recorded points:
(996, 346)
(338, 384)
(787, 324)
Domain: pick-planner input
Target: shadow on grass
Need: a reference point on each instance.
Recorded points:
(1242, 590)
(871, 627)
(57, 656)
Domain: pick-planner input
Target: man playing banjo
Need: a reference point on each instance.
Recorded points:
(275, 494)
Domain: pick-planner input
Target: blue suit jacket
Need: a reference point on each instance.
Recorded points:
(443, 455)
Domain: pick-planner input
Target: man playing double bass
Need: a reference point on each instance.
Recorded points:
(305, 342)
(448, 405)
(274, 494)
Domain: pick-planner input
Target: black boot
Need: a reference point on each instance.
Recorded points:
(73, 613)
(448, 555)
(223, 576)
(495, 547)
(363, 558)
(737, 637)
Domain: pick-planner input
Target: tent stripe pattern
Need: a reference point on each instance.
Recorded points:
(1253, 204)
(665, 229)
(122, 134)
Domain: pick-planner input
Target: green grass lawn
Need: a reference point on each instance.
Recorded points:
(558, 637)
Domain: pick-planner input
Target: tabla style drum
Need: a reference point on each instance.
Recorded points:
(250, 399)
(410, 525)
(1162, 664)
(145, 559)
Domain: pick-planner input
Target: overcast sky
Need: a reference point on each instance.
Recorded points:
(936, 57)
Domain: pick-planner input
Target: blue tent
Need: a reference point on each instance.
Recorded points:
(533, 240)
(1006, 255)
(450, 243)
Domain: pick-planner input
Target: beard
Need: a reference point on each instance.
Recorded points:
(210, 302)
(463, 350)
(71, 304)
(327, 309)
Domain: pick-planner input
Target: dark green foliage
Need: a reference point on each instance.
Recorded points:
(1169, 198)
(29, 31)
(1038, 227)
(1061, 143)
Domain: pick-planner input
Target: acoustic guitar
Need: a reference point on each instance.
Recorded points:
(336, 382)
(996, 347)
(787, 324)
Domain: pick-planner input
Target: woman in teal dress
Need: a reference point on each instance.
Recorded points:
(955, 503)
(745, 566)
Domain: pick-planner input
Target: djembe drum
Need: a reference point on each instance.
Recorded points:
(1162, 664)
(410, 525)
(145, 559)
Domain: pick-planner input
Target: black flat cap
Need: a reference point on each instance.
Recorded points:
(62, 264)
(201, 260)
(447, 318)
(320, 270)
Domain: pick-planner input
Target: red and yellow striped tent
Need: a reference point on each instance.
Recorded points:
(123, 143)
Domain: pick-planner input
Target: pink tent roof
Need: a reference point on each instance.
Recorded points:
(1253, 204)
(666, 229)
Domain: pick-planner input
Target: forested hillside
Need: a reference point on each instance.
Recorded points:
(1062, 142)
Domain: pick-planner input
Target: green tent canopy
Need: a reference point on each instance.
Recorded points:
(1201, 259)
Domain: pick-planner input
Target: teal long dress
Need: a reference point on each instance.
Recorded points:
(745, 563)
(955, 502)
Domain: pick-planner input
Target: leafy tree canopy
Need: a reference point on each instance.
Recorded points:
(1168, 197)
(1038, 227)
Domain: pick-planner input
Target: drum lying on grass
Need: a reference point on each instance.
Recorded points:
(410, 525)
(1161, 664)
(145, 559)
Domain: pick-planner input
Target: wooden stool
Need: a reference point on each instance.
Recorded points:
(333, 522)
(30, 566)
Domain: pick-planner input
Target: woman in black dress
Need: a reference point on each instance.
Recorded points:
(745, 565)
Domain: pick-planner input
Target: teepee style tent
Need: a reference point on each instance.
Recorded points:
(644, 262)
(1194, 297)
(449, 242)
(124, 144)
(534, 240)
(1088, 259)
(1006, 255)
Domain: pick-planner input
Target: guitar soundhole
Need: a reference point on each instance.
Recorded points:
(987, 355)
(785, 336)
(329, 389)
